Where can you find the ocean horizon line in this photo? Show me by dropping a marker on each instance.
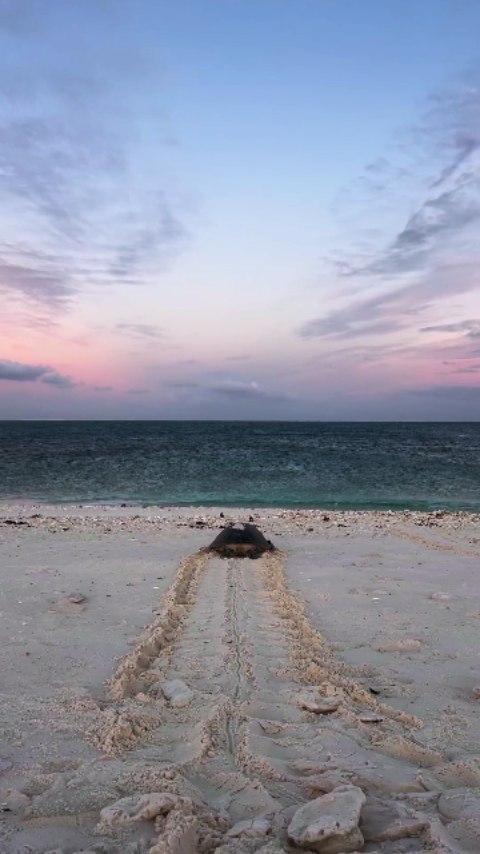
(234, 421)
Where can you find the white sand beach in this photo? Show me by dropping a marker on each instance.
(155, 698)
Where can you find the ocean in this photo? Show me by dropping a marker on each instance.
(257, 464)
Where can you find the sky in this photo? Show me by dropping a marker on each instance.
(240, 209)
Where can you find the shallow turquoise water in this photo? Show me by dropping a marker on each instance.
(351, 465)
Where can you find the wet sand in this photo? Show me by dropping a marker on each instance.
(210, 692)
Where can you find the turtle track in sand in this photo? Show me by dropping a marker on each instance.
(245, 744)
(404, 533)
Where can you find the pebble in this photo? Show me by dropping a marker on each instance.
(404, 645)
(370, 718)
(311, 702)
(76, 598)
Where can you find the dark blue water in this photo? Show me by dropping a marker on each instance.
(348, 465)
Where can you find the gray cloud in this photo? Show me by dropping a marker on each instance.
(138, 391)
(470, 327)
(452, 126)
(232, 389)
(452, 393)
(446, 141)
(240, 390)
(468, 369)
(58, 380)
(185, 384)
(391, 311)
(21, 372)
(51, 163)
(439, 218)
(68, 166)
(440, 228)
(167, 231)
(37, 281)
(464, 147)
(140, 330)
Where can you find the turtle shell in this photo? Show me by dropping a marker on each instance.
(240, 541)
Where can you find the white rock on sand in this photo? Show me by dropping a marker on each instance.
(402, 645)
(440, 597)
(330, 824)
(177, 693)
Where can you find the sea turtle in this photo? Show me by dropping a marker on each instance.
(240, 541)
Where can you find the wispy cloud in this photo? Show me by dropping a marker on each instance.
(69, 161)
(241, 390)
(394, 310)
(182, 384)
(22, 372)
(434, 255)
(58, 380)
(453, 393)
(464, 147)
(471, 328)
(468, 369)
(140, 330)
(452, 126)
(49, 163)
(439, 218)
(163, 232)
(228, 388)
(37, 280)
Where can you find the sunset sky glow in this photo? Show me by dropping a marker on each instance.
(240, 209)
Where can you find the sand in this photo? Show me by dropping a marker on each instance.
(155, 698)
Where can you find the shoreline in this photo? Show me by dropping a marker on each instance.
(308, 520)
(332, 507)
(25, 505)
